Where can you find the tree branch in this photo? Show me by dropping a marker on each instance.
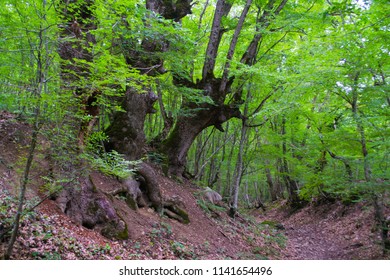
(261, 105)
(263, 21)
(222, 9)
(233, 45)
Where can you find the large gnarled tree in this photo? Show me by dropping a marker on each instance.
(126, 132)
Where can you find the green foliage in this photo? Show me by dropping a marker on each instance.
(182, 251)
(8, 208)
(156, 157)
(161, 230)
(46, 256)
(110, 163)
(313, 53)
(307, 62)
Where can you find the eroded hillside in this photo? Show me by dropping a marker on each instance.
(50, 231)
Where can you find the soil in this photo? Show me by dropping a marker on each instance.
(318, 231)
(329, 231)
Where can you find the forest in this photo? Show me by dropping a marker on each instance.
(149, 119)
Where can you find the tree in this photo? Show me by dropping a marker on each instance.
(298, 88)
(210, 109)
(35, 33)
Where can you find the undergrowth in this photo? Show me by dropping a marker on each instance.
(110, 163)
(266, 240)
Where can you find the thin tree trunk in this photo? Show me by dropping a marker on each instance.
(291, 184)
(239, 164)
(270, 183)
(348, 168)
(24, 182)
(378, 204)
(222, 8)
(228, 186)
(238, 171)
(232, 46)
(360, 128)
(40, 86)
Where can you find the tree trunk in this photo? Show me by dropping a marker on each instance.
(185, 130)
(126, 132)
(24, 182)
(291, 185)
(270, 183)
(377, 202)
(42, 65)
(238, 172)
(180, 138)
(239, 165)
(361, 131)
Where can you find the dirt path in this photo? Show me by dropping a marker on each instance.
(310, 242)
(327, 232)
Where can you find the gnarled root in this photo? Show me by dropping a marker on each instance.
(171, 207)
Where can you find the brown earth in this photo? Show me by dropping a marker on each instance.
(328, 231)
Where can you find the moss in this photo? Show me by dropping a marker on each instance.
(269, 223)
(184, 217)
(131, 202)
(111, 231)
(93, 208)
(124, 234)
(94, 188)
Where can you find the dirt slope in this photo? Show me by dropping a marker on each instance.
(47, 233)
(329, 231)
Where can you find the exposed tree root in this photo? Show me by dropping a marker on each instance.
(168, 206)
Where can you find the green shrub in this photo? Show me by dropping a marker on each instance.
(109, 163)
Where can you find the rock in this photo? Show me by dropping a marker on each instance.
(212, 196)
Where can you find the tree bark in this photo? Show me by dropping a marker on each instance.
(238, 172)
(291, 185)
(185, 130)
(270, 183)
(239, 164)
(377, 202)
(126, 132)
(222, 9)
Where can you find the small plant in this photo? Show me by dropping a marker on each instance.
(156, 157)
(46, 256)
(113, 163)
(206, 246)
(110, 163)
(182, 251)
(162, 230)
(256, 254)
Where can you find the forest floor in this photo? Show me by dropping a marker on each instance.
(318, 231)
(328, 231)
